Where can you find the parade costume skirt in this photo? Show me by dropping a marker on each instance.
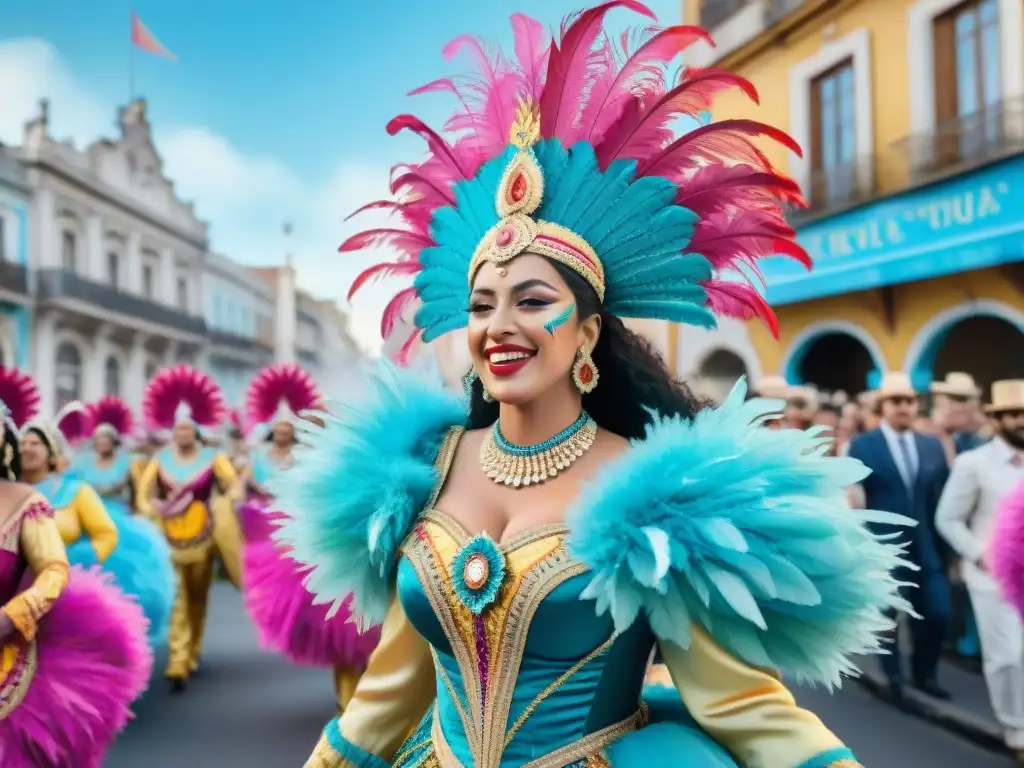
(257, 519)
(670, 735)
(141, 566)
(287, 620)
(67, 694)
(1006, 548)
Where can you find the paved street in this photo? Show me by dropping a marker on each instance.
(251, 709)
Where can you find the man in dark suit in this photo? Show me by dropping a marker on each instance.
(908, 472)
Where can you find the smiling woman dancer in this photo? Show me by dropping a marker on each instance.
(529, 555)
(73, 654)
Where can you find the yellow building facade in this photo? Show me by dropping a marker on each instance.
(911, 116)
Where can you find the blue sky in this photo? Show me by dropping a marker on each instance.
(268, 114)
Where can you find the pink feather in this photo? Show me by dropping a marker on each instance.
(1005, 556)
(741, 301)
(20, 394)
(379, 271)
(571, 68)
(395, 310)
(399, 239)
(287, 382)
(605, 105)
(531, 50)
(182, 384)
(439, 147)
(745, 236)
(713, 188)
(113, 411)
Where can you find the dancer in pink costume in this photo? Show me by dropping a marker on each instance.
(278, 602)
(73, 650)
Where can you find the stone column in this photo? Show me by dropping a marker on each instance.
(287, 318)
(133, 253)
(95, 365)
(95, 258)
(167, 279)
(45, 243)
(135, 376)
(45, 359)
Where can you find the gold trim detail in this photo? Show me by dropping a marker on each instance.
(13, 692)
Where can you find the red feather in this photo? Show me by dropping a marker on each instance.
(395, 309)
(382, 270)
(741, 301)
(418, 184)
(718, 187)
(569, 68)
(377, 205)
(438, 146)
(401, 239)
(716, 143)
(745, 235)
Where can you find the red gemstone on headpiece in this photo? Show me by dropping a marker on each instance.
(518, 190)
(586, 374)
(505, 236)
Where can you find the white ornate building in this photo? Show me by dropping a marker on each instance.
(117, 259)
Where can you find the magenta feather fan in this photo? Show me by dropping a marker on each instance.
(19, 395)
(617, 95)
(114, 412)
(285, 384)
(74, 423)
(179, 385)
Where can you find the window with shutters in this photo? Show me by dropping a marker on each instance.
(833, 136)
(967, 99)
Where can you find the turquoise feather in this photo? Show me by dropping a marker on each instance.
(745, 531)
(358, 484)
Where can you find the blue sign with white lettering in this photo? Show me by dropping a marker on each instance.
(970, 222)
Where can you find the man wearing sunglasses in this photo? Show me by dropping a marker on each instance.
(979, 481)
(908, 471)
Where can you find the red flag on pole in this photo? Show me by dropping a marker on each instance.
(145, 40)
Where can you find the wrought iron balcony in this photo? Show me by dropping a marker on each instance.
(13, 277)
(714, 12)
(992, 133)
(839, 187)
(57, 285)
(238, 341)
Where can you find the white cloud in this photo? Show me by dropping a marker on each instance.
(245, 198)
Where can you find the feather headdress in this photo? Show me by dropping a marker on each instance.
(569, 149)
(19, 396)
(113, 415)
(279, 392)
(182, 393)
(68, 427)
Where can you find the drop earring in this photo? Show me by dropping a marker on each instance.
(584, 372)
(467, 385)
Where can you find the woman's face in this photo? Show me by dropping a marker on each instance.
(103, 443)
(35, 456)
(524, 329)
(283, 434)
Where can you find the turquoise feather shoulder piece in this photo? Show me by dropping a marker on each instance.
(359, 482)
(746, 531)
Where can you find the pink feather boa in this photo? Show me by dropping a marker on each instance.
(1006, 548)
(93, 661)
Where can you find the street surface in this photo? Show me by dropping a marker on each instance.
(251, 709)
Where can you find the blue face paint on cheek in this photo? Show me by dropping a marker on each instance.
(562, 319)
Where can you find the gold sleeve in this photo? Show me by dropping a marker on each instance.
(227, 478)
(145, 491)
(391, 699)
(44, 552)
(748, 710)
(96, 522)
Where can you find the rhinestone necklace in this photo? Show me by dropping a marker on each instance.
(522, 465)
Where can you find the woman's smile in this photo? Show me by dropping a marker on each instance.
(507, 359)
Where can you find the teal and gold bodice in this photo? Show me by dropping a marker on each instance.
(111, 481)
(537, 668)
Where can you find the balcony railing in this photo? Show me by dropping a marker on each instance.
(778, 9)
(13, 277)
(58, 284)
(840, 186)
(223, 338)
(714, 12)
(990, 134)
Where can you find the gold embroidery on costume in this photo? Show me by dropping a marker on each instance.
(17, 669)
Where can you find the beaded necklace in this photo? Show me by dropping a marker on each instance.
(522, 465)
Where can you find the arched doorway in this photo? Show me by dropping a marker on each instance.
(69, 374)
(835, 361)
(718, 373)
(985, 346)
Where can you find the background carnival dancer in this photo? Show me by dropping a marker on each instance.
(280, 605)
(73, 646)
(191, 490)
(528, 550)
(142, 560)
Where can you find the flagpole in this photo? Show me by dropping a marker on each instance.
(131, 53)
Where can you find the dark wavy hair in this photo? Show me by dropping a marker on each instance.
(634, 379)
(10, 457)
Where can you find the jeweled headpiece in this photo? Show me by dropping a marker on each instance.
(180, 394)
(570, 150)
(279, 393)
(111, 415)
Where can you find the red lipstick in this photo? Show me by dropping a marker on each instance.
(509, 367)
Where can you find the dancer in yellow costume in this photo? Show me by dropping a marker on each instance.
(191, 490)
